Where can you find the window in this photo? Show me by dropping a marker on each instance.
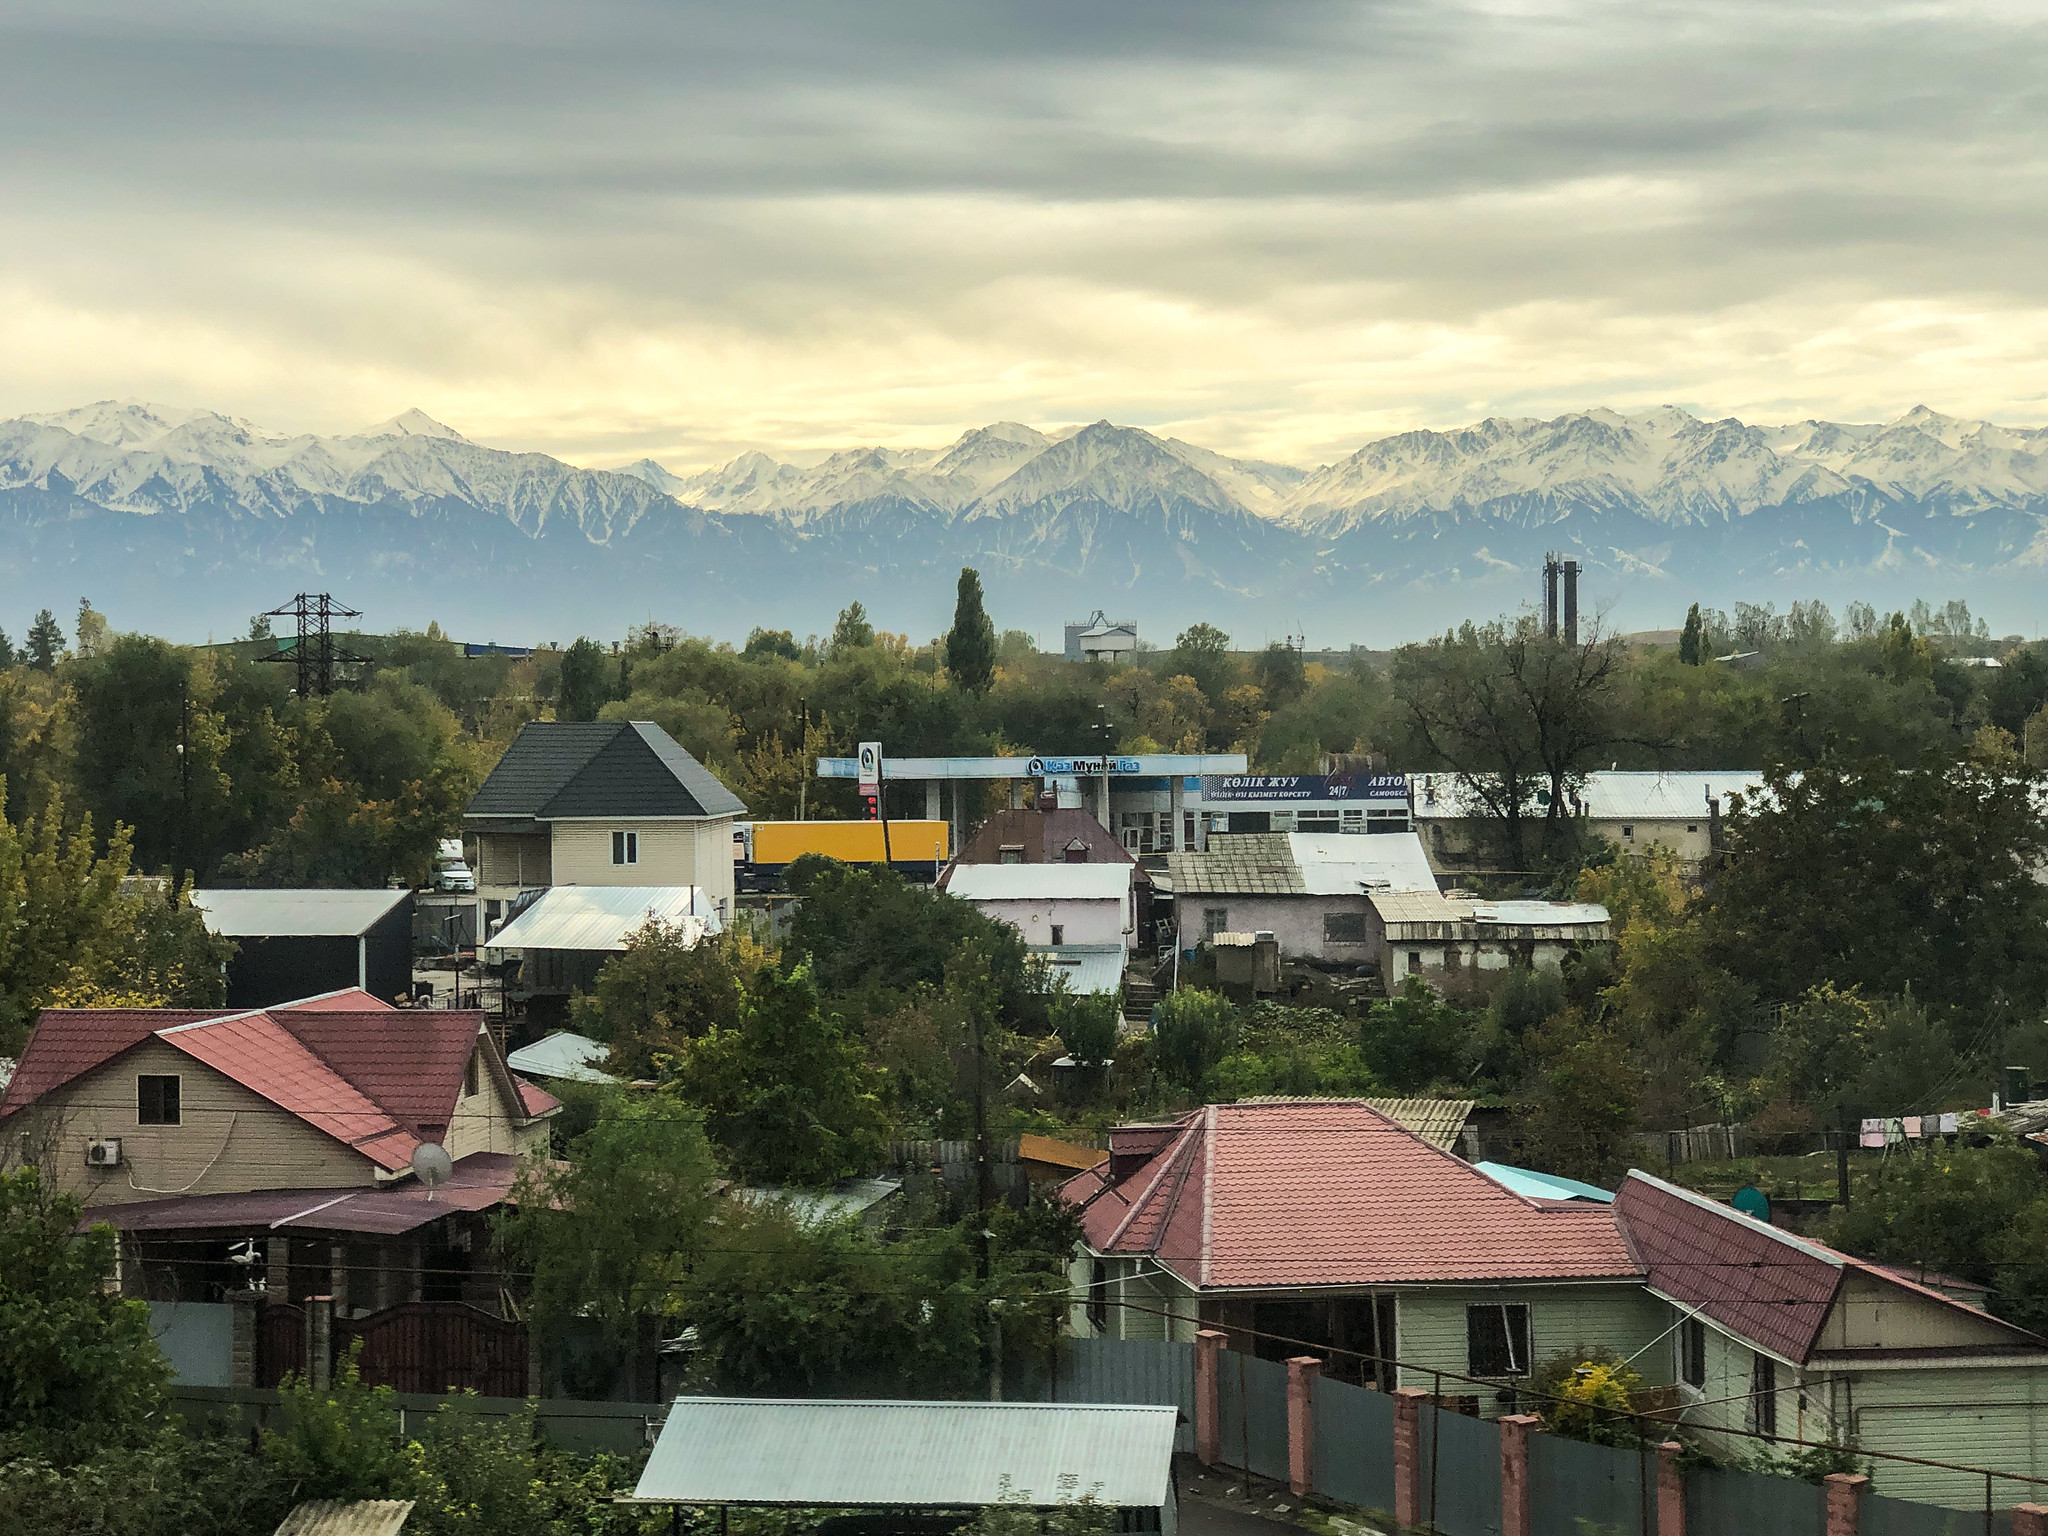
(1763, 1396)
(1011, 853)
(1098, 1296)
(1059, 933)
(1628, 832)
(1497, 1339)
(469, 1078)
(1692, 1352)
(156, 1101)
(1215, 920)
(1692, 826)
(625, 847)
(1414, 959)
(1343, 927)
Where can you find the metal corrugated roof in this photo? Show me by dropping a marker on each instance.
(1344, 864)
(848, 1197)
(1436, 1121)
(1419, 907)
(294, 914)
(725, 1450)
(564, 1054)
(1087, 967)
(1543, 1186)
(331, 1517)
(1540, 914)
(1039, 882)
(1609, 795)
(601, 917)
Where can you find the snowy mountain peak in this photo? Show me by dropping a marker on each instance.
(412, 423)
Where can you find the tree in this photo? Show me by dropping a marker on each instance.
(1689, 639)
(610, 1234)
(1412, 1039)
(1282, 677)
(1891, 879)
(586, 683)
(971, 642)
(78, 1366)
(259, 627)
(1202, 652)
(45, 642)
(853, 631)
(8, 656)
(1085, 1022)
(1585, 1107)
(1194, 1030)
(786, 1093)
(662, 990)
(1836, 1056)
(92, 630)
(762, 643)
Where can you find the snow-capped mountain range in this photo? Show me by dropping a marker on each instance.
(191, 518)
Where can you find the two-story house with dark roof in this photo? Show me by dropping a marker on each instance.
(602, 802)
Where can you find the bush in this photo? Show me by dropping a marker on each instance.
(1590, 1398)
(1085, 1022)
(1195, 1030)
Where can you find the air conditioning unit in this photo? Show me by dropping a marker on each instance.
(103, 1154)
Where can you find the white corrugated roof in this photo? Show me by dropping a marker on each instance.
(294, 914)
(827, 1454)
(1343, 864)
(1087, 967)
(601, 917)
(564, 1054)
(1539, 913)
(1040, 882)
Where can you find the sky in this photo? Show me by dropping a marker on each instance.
(613, 230)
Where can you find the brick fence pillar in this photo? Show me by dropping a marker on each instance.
(1514, 1472)
(1671, 1491)
(1302, 1372)
(1208, 1404)
(1408, 1455)
(320, 1342)
(242, 1337)
(2030, 1520)
(1845, 1502)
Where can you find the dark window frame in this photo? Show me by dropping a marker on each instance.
(1344, 928)
(1098, 1296)
(1763, 1396)
(159, 1098)
(625, 848)
(1692, 1353)
(1497, 1335)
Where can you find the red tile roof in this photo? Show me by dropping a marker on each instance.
(538, 1100)
(1315, 1192)
(1768, 1285)
(258, 1052)
(377, 1079)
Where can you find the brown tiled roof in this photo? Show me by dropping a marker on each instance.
(1767, 1285)
(1042, 837)
(480, 1181)
(1315, 1192)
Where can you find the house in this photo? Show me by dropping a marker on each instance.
(563, 1056)
(287, 1135)
(912, 1462)
(1098, 638)
(1454, 938)
(1634, 811)
(1776, 1334)
(604, 803)
(1325, 1221)
(1053, 905)
(292, 942)
(1060, 836)
(565, 934)
(1310, 890)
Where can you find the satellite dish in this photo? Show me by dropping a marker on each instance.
(432, 1165)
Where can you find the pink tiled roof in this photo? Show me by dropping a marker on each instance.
(258, 1052)
(480, 1181)
(1328, 1192)
(538, 1100)
(411, 1061)
(1768, 1285)
(347, 1000)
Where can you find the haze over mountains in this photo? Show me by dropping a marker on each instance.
(185, 521)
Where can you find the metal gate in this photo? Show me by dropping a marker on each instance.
(280, 1342)
(438, 1346)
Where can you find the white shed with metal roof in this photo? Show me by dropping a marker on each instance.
(825, 1454)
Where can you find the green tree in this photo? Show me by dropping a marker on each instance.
(93, 634)
(1202, 652)
(1836, 1056)
(78, 1366)
(1586, 1104)
(1413, 1039)
(1085, 1022)
(45, 642)
(787, 1094)
(1282, 676)
(763, 643)
(1689, 639)
(8, 655)
(662, 990)
(1869, 875)
(853, 632)
(586, 681)
(971, 642)
(1193, 1031)
(611, 1232)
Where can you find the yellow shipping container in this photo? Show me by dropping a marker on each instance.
(851, 842)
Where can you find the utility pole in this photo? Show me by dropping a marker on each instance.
(803, 747)
(984, 1190)
(184, 783)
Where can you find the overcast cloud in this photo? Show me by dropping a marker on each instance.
(608, 229)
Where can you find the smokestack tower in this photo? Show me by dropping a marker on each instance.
(1550, 572)
(1571, 604)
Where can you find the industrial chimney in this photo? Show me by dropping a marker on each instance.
(1571, 603)
(1550, 571)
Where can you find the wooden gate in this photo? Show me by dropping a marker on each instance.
(438, 1346)
(280, 1342)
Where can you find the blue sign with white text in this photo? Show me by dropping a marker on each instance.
(1227, 787)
